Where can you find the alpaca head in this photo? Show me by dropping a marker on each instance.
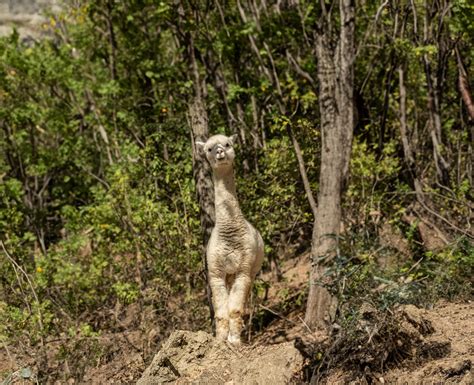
(219, 151)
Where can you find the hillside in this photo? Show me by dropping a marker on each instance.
(407, 345)
(432, 346)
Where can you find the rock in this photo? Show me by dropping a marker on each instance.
(25, 15)
(417, 318)
(196, 357)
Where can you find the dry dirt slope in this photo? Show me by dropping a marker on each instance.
(427, 347)
(196, 357)
(436, 347)
(439, 349)
(453, 328)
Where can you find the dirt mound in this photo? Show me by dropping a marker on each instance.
(197, 357)
(406, 346)
(453, 327)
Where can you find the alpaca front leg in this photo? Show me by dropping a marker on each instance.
(237, 299)
(220, 299)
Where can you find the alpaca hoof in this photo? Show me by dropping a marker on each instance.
(222, 336)
(234, 340)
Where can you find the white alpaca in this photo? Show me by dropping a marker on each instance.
(235, 248)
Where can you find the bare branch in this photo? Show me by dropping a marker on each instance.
(30, 284)
(298, 69)
(379, 11)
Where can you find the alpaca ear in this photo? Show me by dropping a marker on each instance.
(233, 138)
(199, 146)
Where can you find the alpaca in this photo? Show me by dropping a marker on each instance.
(235, 248)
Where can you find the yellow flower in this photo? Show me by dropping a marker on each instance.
(39, 269)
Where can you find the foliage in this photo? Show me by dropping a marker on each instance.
(363, 278)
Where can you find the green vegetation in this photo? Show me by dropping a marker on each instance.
(97, 200)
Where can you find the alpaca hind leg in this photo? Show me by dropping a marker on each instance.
(220, 299)
(237, 299)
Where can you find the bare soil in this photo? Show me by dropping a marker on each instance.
(453, 328)
(197, 357)
(424, 347)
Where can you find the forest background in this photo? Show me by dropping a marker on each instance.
(98, 206)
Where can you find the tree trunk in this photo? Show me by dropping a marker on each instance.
(464, 87)
(202, 172)
(302, 168)
(432, 83)
(407, 151)
(335, 74)
(203, 178)
(404, 134)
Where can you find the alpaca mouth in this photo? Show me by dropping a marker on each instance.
(222, 164)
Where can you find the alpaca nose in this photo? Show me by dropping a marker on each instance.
(220, 153)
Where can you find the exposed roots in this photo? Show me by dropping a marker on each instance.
(377, 341)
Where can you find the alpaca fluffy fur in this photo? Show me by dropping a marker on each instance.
(235, 248)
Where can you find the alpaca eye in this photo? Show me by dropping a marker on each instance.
(209, 150)
(227, 145)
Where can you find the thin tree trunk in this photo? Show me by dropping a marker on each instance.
(407, 151)
(335, 74)
(254, 131)
(386, 108)
(203, 180)
(202, 172)
(201, 168)
(303, 174)
(272, 76)
(464, 87)
(441, 164)
(345, 61)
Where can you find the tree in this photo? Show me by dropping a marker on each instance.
(199, 124)
(335, 54)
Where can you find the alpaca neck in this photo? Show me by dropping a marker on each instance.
(226, 202)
